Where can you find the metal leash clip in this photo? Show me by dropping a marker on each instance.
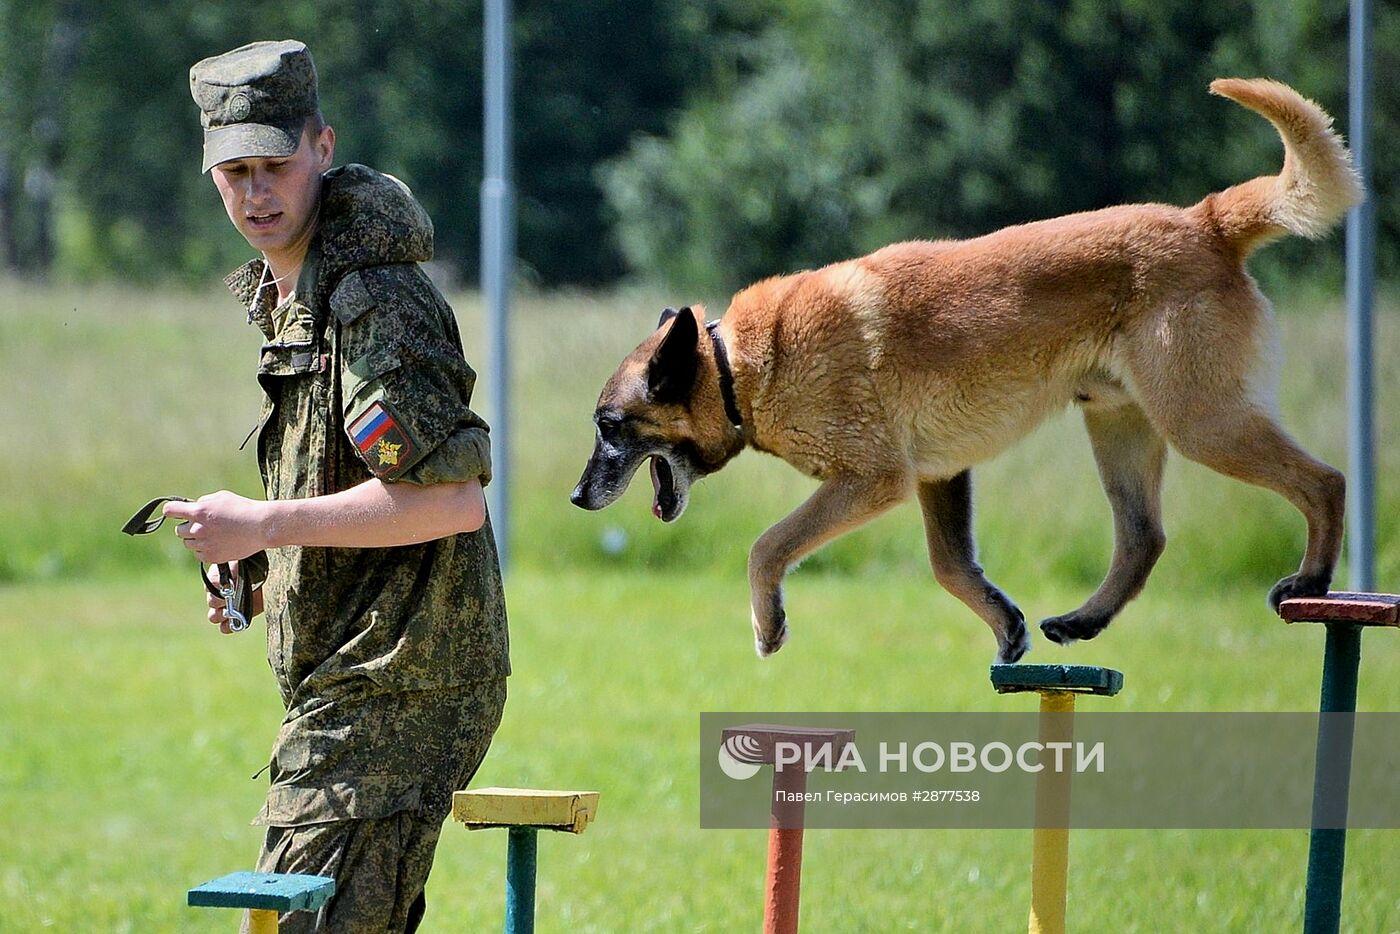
(236, 592)
(228, 589)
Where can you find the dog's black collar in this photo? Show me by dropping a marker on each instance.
(726, 377)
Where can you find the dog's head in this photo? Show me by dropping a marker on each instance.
(662, 403)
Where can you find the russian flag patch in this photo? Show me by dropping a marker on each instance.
(381, 441)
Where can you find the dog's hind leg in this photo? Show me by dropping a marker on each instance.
(947, 508)
(1130, 455)
(1247, 445)
(1204, 397)
(838, 505)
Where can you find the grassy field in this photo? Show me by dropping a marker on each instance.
(117, 395)
(130, 729)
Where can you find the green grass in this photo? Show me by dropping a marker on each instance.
(130, 729)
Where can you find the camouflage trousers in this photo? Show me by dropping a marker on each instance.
(381, 864)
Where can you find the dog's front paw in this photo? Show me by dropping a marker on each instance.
(1298, 585)
(765, 648)
(768, 638)
(1015, 641)
(1072, 627)
(1014, 649)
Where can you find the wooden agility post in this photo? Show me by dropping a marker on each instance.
(1344, 614)
(524, 812)
(1056, 685)
(783, 880)
(264, 894)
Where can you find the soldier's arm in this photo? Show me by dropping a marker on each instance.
(406, 388)
(406, 394)
(406, 403)
(376, 514)
(224, 526)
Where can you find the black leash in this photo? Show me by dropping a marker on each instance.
(237, 593)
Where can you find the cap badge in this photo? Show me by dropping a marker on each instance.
(239, 107)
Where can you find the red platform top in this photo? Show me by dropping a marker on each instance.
(1365, 609)
(757, 742)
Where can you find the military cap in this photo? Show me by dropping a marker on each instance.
(254, 100)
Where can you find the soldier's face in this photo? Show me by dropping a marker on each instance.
(272, 201)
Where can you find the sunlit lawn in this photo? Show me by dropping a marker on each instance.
(131, 731)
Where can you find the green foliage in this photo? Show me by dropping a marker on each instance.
(708, 144)
(835, 126)
(401, 84)
(589, 75)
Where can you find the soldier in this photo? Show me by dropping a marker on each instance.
(386, 624)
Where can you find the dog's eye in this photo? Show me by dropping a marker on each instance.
(609, 424)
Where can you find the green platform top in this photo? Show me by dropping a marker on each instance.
(1076, 679)
(269, 890)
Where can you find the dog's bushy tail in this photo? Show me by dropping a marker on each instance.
(1316, 186)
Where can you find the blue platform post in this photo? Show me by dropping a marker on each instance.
(520, 880)
(1332, 778)
(1344, 615)
(524, 811)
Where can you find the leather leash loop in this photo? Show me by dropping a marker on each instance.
(236, 592)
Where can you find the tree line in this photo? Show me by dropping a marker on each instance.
(704, 143)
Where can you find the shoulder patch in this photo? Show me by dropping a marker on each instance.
(383, 443)
(350, 298)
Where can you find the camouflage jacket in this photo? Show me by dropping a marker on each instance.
(364, 376)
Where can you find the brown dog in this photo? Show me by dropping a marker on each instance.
(897, 372)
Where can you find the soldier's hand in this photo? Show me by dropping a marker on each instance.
(216, 604)
(221, 526)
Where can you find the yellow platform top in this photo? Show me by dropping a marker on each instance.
(525, 807)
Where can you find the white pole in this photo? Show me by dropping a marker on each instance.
(1361, 275)
(497, 258)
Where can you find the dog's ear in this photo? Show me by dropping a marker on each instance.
(676, 363)
(667, 315)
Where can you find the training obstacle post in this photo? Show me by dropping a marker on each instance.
(524, 811)
(783, 882)
(264, 894)
(1344, 614)
(1056, 685)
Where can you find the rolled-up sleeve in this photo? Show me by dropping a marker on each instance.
(405, 386)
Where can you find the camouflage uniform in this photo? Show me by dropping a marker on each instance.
(391, 661)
